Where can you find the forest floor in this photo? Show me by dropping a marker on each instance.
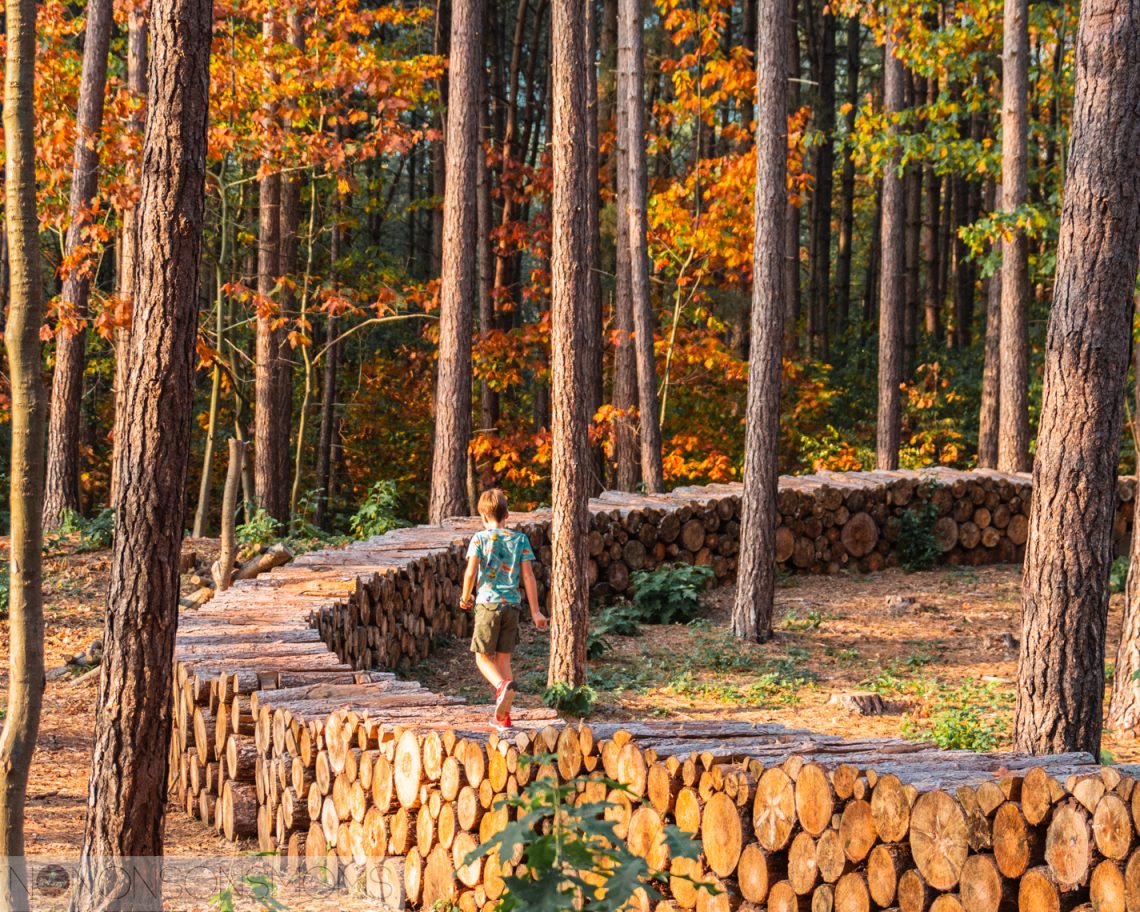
(936, 645)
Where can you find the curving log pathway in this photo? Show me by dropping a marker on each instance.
(289, 728)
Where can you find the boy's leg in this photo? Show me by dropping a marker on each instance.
(503, 665)
(488, 666)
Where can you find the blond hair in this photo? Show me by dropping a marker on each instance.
(493, 503)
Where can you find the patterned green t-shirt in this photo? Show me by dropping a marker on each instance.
(501, 554)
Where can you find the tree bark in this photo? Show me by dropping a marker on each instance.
(819, 282)
(132, 721)
(626, 445)
(631, 73)
(1013, 438)
(756, 583)
(1124, 704)
(847, 180)
(61, 491)
(991, 369)
(595, 369)
(328, 381)
(792, 211)
(912, 189)
(25, 558)
(1065, 592)
(570, 361)
(891, 281)
(457, 280)
(270, 452)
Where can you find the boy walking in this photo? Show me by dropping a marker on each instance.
(498, 559)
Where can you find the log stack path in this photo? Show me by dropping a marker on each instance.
(291, 728)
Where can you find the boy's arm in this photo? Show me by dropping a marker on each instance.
(469, 578)
(531, 586)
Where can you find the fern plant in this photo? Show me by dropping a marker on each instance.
(572, 859)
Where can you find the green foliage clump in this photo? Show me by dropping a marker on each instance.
(5, 590)
(98, 532)
(972, 716)
(572, 859)
(917, 548)
(670, 595)
(95, 533)
(1118, 575)
(259, 527)
(576, 701)
(379, 513)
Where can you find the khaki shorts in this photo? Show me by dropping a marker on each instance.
(496, 628)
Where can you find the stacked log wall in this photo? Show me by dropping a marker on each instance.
(350, 774)
(826, 523)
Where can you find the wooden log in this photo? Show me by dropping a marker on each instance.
(983, 888)
(914, 894)
(1107, 891)
(239, 810)
(757, 871)
(857, 832)
(1068, 844)
(722, 834)
(829, 856)
(890, 809)
(815, 798)
(773, 810)
(938, 840)
(1112, 827)
(803, 869)
(885, 865)
(1016, 845)
(851, 893)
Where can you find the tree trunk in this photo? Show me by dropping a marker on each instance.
(847, 180)
(963, 286)
(792, 211)
(457, 281)
(1065, 592)
(819, 290)
(328, 381)
(1124, 704)
(132, 722)
(991, 391)
(440, 45)
(626, 446)
(931, 234)
(270, 452)
(595, 369)
(61, 492)
(25, 558)
(570, 357)
(1013, 438)
(488, 399)
(756, 584)
(891, 281)
(631, 73)
(912, 188)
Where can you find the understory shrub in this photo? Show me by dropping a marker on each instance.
(917, 548)
(670, 595)
(577, 701)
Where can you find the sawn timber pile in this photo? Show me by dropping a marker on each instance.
(376, 783)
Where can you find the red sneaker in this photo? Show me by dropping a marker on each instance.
(504, 697)
(503, 725)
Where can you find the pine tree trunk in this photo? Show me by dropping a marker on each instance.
(626, 445)
(912, 188)
(25, 557)
(963, 287)
(1124, 704)
(270, 452)
(488, 399)
(847, 180)
(132, 722)
(892, 289)
(631, 73)
(1013, 439)
(440, 45)
(1065, 592)
(756, 584)
(61, 492)
(991, 391)
(819, 283)
(595, 369)
(792, 211)
(570, 359)
(457, 281)
(931, 234)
